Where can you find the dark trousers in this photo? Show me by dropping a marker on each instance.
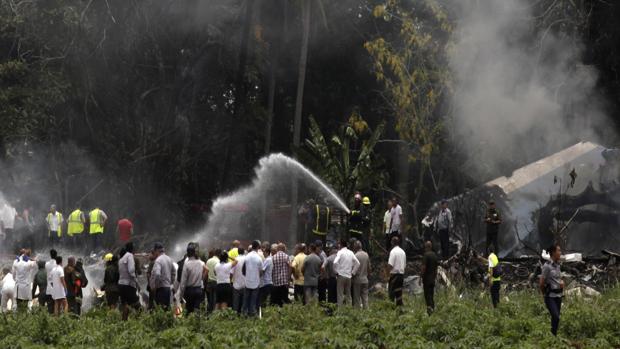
(395, 288)
(95, 241)
(194, 296)
(74, 306)
(50, 303)
(299, 294)
(492, 240)
(263, 294)
(322, 290)
(429, 298)
(211, 285)
(554, 305)
(495, 293)
(444, 240)
(279, 295)
(238, 300)
(250, 301)
(332, 290)
(162, 297)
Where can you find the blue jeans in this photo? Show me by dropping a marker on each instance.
(238, 299)
(554, 305)
(250, 301)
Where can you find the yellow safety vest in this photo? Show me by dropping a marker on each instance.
(233, 254)
(494, 263)
(74, 223)
(49, 219)
(96, 222)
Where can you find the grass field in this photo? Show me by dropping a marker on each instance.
(459, 322)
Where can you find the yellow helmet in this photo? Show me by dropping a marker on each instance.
(108, 257)
(366, 200)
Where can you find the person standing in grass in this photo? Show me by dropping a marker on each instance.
(298, 275)
(252, 271)
(128, 281)
(429, 275)
(59, 288)
(552, 286)
(281, 276)
(223, 291)
(192, 280)
(495, 276)
(311, 270)
(238, 281)
(396, 263)
(266, 281)
(331, 275)
(360, 279)
(345, 265)
(212, 262)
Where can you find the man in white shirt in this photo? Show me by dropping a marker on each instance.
(238, 281)
(252, 270)
(345, 265)
(49, 267)
(24, 271)
(8, 291)
(397, 262)
(396, 219)
(387, 225)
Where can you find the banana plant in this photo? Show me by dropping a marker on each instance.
(347, 160)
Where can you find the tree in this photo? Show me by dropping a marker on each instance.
(347, 161)
(413, 69)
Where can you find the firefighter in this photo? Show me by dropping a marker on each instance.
(355, 218)
(75, 226)
(320, 219)
(366, 215)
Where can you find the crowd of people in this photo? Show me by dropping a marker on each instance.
(246, 278)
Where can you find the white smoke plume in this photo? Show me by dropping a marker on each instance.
(522, 91)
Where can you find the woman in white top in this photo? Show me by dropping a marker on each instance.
(223, 290)
(59, 288)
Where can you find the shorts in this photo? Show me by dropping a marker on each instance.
(128, 295)
(223, 293)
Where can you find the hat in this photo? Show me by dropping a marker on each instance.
(366, 200)
(108, 257)
(158, 246)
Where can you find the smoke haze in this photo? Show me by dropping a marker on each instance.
(521, 92)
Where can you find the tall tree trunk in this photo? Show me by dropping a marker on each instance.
(234, 134)
(301, 80)
(303, 59)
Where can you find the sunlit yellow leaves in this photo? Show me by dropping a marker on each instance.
(413, 70)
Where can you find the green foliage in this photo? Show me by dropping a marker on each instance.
(347, 161)
(414, 71)
(521, 321)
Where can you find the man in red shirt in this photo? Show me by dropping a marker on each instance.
(124, 229)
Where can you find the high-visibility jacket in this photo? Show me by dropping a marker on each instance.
(49, 219)
(75, 223)
(96, 221)
(494, 262)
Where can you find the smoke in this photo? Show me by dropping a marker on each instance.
(522, 91)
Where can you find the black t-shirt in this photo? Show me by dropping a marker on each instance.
(430, 261)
